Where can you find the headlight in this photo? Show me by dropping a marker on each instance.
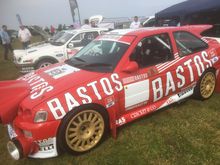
(40, 116)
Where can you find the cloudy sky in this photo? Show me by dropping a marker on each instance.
(54, 12)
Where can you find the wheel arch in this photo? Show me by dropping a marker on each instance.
(45, 58)
(94, 106)
(196, 92)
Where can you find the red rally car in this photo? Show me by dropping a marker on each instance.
(119, 77)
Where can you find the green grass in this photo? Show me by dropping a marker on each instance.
(186, 133)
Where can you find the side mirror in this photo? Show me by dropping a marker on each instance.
(131, 67)
(70, 45)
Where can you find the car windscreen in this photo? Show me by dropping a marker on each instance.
(61, 38)
(99, 56)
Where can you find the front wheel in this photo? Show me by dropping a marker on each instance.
(206, 85)
(44, 63)
(82, 129)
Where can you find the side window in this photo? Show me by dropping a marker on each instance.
(83, 39)
(187, 43)
(153, 50)
(150, 23)
(88, 37)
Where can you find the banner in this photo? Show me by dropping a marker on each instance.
(73, 6)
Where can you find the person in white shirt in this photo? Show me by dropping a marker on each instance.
(86, 25)
(135, 24)
(24, 36)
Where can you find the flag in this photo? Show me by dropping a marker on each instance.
(73, 6)
(19, 19)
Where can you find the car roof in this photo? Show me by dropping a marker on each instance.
(127, 36)
(153, 30)
(86, 30)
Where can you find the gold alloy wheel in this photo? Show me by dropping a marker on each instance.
(84, 130)
(207, 85)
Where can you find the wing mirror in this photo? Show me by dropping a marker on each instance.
(131, 67)
(70, 45)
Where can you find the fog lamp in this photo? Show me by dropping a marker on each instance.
(14, 149)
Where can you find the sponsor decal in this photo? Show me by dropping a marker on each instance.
(11, 132)
(120, 121)
(61, 71)
(38, 85)
(185, 91)
(81, 96)
(46, 144)
(201, 63)
(138, 113)
(143, 112)
(109, 101)
(131, 79)
(214, 59)
(47, 148)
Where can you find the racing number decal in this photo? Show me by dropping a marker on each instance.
(136, 93)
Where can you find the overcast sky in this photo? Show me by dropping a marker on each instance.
(54, 12)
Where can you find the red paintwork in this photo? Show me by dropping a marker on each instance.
(12, 93)
(59, 95)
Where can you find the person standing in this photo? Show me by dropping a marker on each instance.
(52, 30)
(135, 24)
(24, 36)
(6, 41)
(86, 24)
(93, 24)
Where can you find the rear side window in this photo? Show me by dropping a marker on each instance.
(187, 43)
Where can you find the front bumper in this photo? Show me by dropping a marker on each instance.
(41, 142)
(25, 68)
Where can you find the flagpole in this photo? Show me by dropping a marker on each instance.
(78, 13)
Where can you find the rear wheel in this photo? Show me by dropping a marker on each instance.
(82, 130)
(206, 85)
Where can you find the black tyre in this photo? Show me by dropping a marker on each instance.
(82, 129)
(206, 85)
(44, 63)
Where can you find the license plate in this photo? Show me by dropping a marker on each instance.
(11, 132)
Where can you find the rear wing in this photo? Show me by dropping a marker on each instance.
(198, 29)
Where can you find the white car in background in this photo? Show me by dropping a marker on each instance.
(61, 46)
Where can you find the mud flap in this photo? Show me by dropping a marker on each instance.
(112, 120)
(217, 89)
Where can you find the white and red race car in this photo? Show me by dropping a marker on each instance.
(117, 78)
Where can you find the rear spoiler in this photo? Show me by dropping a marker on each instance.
(198, 29)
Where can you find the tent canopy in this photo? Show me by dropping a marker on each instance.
(190, 7)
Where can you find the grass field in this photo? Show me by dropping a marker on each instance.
(186, 133)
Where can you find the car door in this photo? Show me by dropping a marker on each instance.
(148, 85)
(195, 54)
